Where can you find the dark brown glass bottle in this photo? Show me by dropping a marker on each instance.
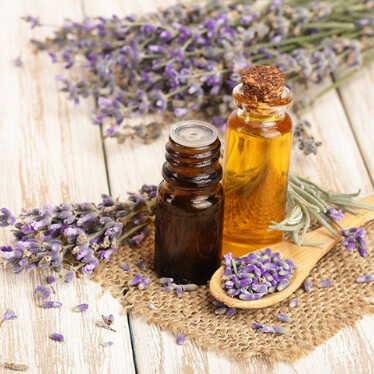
(189, 207)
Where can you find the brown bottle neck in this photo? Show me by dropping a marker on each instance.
(192, 168)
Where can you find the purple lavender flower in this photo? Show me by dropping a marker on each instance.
(8, 316)
(355, 238)
(80, 308)
(180, 339)
(335, 214)
(34, 21)
(69, 276)
(107, 344)
(283, 317)
(293, 303)
(136, 280)
(365, 278)
(51, 304)
(125, 267)
(141, 265)
(325, 283)
(6, 217)
(308, 285)
(51, 279)
(57, 337)
(42, 291)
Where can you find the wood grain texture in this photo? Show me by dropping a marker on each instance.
(338, 166)
(50, 152)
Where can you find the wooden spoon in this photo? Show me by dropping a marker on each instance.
(303, 257)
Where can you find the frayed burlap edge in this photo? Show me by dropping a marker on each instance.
(320, 314)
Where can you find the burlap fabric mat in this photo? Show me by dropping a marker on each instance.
(321, 313)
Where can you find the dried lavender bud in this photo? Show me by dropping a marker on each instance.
(256, 275)
(230, 311)
(180, 339)
(190, 287)
(283, 317)
(57, 337)
(355, 238)
(8, 316)
(179, 291)
(335, 214)
(266, 329)
(15, 367)
(151, 306)
(308, 285)
(125, 267)
(293, 303)
(136, 280)
(166, 280)
(365, 278)
(144, 283)
(80, 308)
(69, 276)
(51, 279)
(257, 326)
(104, 326)
(42, 291)
(107, 344)
(221, 310)
(279, 330)
(141, 265)
(108, 320)
(325, 283)
(51, 304)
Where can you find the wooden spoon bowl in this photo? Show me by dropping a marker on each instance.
(305, 258)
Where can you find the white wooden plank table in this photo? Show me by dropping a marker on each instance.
(50, 152)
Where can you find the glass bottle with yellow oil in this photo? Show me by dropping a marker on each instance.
(257, 154)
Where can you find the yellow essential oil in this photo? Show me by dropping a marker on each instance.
(257, 154)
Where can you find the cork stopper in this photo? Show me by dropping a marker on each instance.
(262, 83)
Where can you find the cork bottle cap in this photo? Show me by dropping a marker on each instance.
(262, 83)
(193, 133)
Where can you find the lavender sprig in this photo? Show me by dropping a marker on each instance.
(185, 58)
(310, 203)
(79, 235)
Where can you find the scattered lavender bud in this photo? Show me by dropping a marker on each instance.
(107, 344)
(141, 265)
(144, 283)
(217, 303)
(125, 267)
(293, 303)
(221, 310)
(69, 276)
(166, 280)
(180, 339)
(335, 214)
(80, 308)
(167, 288)
(108, 320)
(179, 291)
(279, 330)
(283, 317)
(8, 316)
(51, 304)
(365, 278)
(15, 367)
(355, 239)
(51, 279)
(42, 291)
(151, 306)
(18, 62)
(136, 280)
(190, 287)
(266, 329)
(230, 311)
(325, 283)
(308, 285)
(104, 326)
(57, 337)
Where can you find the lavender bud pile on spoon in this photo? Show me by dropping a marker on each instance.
(256, 274)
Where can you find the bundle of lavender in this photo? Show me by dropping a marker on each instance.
(79, 236)
(185, 58)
